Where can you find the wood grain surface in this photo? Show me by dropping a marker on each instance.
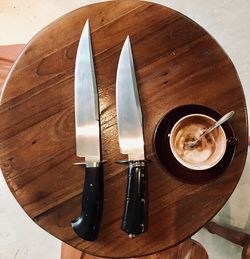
(189, 249)
(177, 63)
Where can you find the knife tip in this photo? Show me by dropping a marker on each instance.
(127, 39)
(87, 23)
(85, 31)
(127, 43)
(86, 27)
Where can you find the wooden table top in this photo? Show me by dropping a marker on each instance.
(177, 63)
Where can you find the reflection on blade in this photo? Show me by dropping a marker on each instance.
(86, 101)
(129, 115)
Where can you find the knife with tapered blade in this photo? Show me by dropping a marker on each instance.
(131, 141)
(87, 125)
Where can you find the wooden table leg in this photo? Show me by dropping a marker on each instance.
(233, 235)
(68, 252)
(189, 249)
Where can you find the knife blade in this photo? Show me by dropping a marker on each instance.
(131, 142)
(87, 126)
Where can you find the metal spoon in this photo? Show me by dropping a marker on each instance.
(192, 144)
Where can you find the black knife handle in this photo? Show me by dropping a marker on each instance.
(135, 210)
(87, 224)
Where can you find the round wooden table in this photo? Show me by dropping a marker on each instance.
(177, 63)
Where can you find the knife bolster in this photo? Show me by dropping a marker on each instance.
(91, 164)
(145, 161)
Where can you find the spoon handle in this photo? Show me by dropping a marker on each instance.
(218, 123)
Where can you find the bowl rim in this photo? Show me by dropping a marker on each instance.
(183, 162)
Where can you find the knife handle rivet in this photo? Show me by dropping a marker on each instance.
(142, 226)
(91, 185)
(142, 200)
(142, 175)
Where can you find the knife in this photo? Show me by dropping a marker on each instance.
(131, 142)
(87, 125)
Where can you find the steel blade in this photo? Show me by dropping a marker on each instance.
(86, 101)
(129, 115)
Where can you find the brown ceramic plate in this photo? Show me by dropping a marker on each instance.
(168, 161)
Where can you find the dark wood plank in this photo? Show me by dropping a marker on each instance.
(177, 62)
